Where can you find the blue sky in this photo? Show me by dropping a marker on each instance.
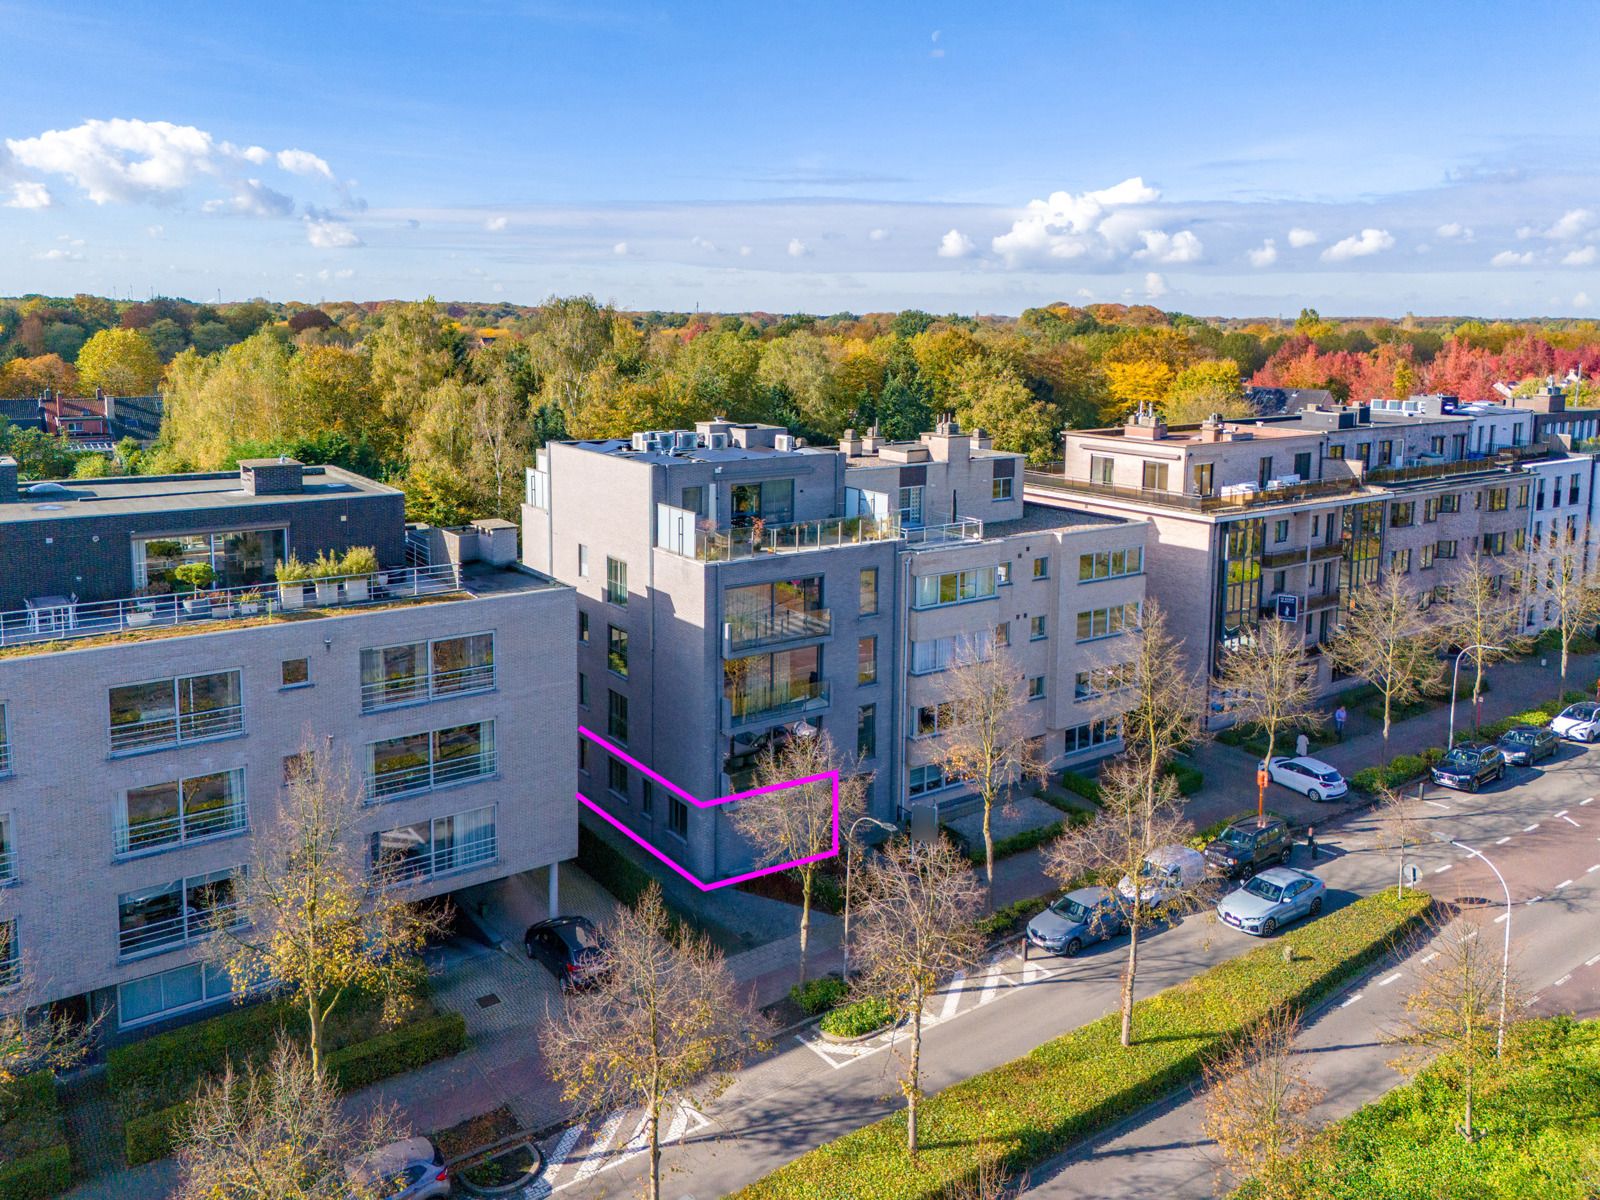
(1222, 159)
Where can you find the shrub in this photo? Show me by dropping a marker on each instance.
(1030, 1109)
(858, 1019)
(818, 995)
(46, 1172)
(359, 560)
(34, 1158)
(196, 575)
(1003, 920)
(1190, 779)
(1015, 843)
(1081, 785)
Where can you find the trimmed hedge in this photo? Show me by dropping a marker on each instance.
(1031, 1108)
(858, 1019)
(818, 995)
(152, 1135)
(34, 1158)
(1190, 779)
(1088, 788)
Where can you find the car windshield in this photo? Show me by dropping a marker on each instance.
(1236, 837)
(1579, 712)
(1328, 776)
(1519, 737)
(1460, 759)
(584, 937)
(1070, 909)
(1267, 891)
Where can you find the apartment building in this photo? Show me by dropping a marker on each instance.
(737, 588)
(147, 730)
(1287, 517)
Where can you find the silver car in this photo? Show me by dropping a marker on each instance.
(1273, 898)
(412, 1169)
(1079, 919)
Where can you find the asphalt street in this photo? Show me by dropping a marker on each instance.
(1539, 827)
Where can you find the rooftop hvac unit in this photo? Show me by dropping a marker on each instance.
(685, 439)
(783, 441)
(719, 441)
(641, 441)
(1287, 481)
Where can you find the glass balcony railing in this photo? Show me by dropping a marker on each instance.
(750, 540)
(445, 860)
(746, 631)
(750, 705)
(8, 864)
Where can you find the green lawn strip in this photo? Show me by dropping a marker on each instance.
(1531, 1126)
(34, 1159)
(1031, 1108)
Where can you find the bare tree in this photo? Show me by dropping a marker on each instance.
(991, 1181)
(1118, 842)
(915, 928)
(1483, 614)
(32, 1037)
(797, 823)
(1165, 703)
(1569, 584)
(281, 1133)
(314, 916)
(990, 745)
(1399, 827)
(1258, 1104)
(1452, 1018)
(664, 1025)
(1388, 640)
(1270, 684)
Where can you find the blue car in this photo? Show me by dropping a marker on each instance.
(1271, 899)
(1078, 919)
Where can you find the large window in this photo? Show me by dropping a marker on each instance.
(934, 719)
(237, 558)
(169, 992)
(768, 684)
(412, 672)
(1107, 622)
(867, 660)
(617, 716)
(1098, 681)
(180, 811)
(176, 913)
(617, 581)
(617, 650)
(1094, 734)
(1240, 583)
(954, 587)
(911, 507)
(925, 779)
(869, 591)
(677, 817)
(5, 742)
(772, 500)
(937, 654)
(1002, 489)
(761, 613)
(164, 712)
(436, 847)
(1110, 564)
(867, 731)
(421, 762)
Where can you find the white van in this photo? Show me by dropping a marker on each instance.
(1169, 872)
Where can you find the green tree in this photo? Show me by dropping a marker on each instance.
(903, 410)
(411, 354)
(988, 395)
(1210, 386)
(167, 337)
(121, 361)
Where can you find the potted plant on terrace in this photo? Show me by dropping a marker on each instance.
(250, 602)
(325, 572)
(359, 565)
(196, 576)
(292, 574)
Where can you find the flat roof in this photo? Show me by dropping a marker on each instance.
(135, 495)
(1039, 518)
(623, 448)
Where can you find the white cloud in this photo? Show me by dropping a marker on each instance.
(744, 251)
(59, 255)
(1510, 258)
(254, 199)
(303, 162)
(1163, 247)
(1155, 286)
(620, 249)
(1571, 224)
(1103, 225)
(797, 248)
(879, 235)
(1361, 245)
(1581, 300)
(702, 244)
(955, 244)
(28, 194)
(155, 231)
(1581, 257)
(1301, 238)
(1264, 255)
(496, 224)
(329, 235)
(343, 273)
(1454, 231)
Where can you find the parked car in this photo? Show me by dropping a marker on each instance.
(1578, 722)
(1273, 898)
(1527, 744)
(569, 946)
(1166, 873)
(1246, 846)
(1079, 919)
(1469, 766)
(1312, 776)
(412, 1169)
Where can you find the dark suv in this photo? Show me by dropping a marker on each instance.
(1245, 847)
(1469, 766)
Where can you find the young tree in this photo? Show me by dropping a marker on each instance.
(797, 823)
(1165, 705)
(1388, 640)
(990, 745)
(122, 361)
(1269, 682)
(1257, 1104)
(1116, 843)
(1453, 1018)
(279, 1133)
(317, 920)
(32, 1038)
(1483, 614)
(1399, 827)
(664, 1024)
(1569, 584)
(914, 928)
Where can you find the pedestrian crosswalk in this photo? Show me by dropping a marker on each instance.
(584, 1150)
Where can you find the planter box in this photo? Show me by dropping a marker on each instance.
(327, 591)
(356, 591)
(292, 595)
(197, 608)
(249, 610)
(140, 616)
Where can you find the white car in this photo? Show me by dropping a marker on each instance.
(1167, 873)
(1312, 776)
(1578, 722)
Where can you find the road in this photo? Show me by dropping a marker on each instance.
(1539, 826)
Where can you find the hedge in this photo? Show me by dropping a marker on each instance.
(34, 1158)
(858, 1019)
(1031, 1108)
(1190, 779)
(818, 995)
(1082, 785)
(153, 1135)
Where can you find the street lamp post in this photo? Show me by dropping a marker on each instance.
(1455, 677)
(1505, 954)
(849, 842)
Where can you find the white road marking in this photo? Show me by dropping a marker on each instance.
(1536, 900)
(1352, 1000)
(1436, 804)
(1443, 869)
(1471, 933)
(1502, 917)
(953, 997)
(1571, 822)
(1531, 828)
(1589, 962)
(1560, 981)
(1502, 841)
(601, 1148)
(991, 983)
(1563, 812)
(1593, 869)
(1431, 957)
(1562, 884)
(1386, 982)
(569, 1139)
(1590, 800)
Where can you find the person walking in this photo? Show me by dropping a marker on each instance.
(1339, 718)
(1311, 842)
(1302, 745)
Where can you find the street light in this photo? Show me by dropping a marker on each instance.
(850, 841)
(1455, 676)
(1505, 957)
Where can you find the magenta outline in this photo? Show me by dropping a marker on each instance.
(831, 776)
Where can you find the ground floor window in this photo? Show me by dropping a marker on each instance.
(174, 991)
(925, 779)
(1095, 733)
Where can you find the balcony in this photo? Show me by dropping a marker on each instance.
(446, 860)
(751, 706)
(749, 541)
(417, 778)
(1284, 558)
(1329, 550)
(748, 631)
(426, 685)
(5, 751)
(8, 864)
(1321, 601)
(197, 726)
(1047, 481)
(143, 837)
(139, 938)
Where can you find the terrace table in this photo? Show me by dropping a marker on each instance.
(52, 614)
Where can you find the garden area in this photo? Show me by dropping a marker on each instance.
(34, 1158)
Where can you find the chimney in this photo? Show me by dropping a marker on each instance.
(280, 476)
(1145, 425)
(870, 443)
(8, 480)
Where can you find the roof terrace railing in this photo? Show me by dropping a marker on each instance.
(62, 617)
(747, 541)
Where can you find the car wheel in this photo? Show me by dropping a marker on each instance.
(1316, 906)
(1072, 947)
(1284, 857)
(1247, 870)
(1472, 785)
(1269, 927)
(1316, 796)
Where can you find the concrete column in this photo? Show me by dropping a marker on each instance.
(555, 889)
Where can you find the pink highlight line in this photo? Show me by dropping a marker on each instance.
(832, 777)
